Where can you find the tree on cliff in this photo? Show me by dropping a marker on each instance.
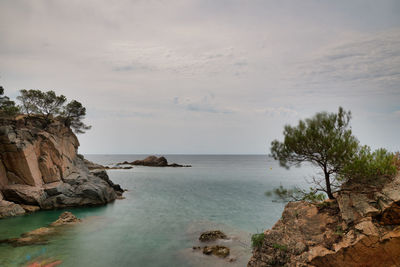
(325, 140)
(7, 107)
(51, 106)
(73, 114)
(47, 103)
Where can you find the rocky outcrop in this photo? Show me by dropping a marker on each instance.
(40, 167)
(91, 165)
(360, 228)
(153, 161)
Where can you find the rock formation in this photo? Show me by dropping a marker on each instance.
(215, 249)
(153, 161)
(212, 236)
(40, 167)
(41, 235)
(360, 228)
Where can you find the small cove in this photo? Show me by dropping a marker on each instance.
(163, 213)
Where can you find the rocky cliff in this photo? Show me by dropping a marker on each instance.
(40, 169)
(360, 228)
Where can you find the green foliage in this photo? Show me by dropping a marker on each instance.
(257, 240)
(339, 231)
(7, 107)
(29, 100)
(296, 194)
(324, 140)
(280, 247)
(313, 196)
(49, 105)
(73, 114)
(370, 167)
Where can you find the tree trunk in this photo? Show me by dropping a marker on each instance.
(328, 185)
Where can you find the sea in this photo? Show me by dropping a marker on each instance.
(163, 212)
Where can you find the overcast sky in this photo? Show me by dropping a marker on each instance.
(217, 76)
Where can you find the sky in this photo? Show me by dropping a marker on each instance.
(207, 76)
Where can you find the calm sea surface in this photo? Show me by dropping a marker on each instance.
(163, 213)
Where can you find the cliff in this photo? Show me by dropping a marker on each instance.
(40, 169)
(360, 228)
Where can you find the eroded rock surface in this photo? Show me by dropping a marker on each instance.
(40, 167)
(360, 228)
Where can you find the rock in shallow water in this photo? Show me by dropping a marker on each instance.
(219, 251)
(41, 235)
(212, 236)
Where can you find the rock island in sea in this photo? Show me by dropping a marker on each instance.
(41, 169)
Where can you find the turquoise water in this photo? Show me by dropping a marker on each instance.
(163, 213)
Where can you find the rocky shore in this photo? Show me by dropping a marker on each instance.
(40, 169)
(361, 227)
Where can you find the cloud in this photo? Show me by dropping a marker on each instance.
(281, 111)
(368, 60)
(205, 104)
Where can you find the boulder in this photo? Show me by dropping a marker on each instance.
(219, 251)
(65, 218)
(212, 236)
(8, 209)
(152, 161)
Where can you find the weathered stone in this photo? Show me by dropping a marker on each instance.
(40, 166)
(360, 233)
(219, 251)
(153, 161)
(24, 194)
(93, 166)
(66, 218)
(41, 235)
(30, 208)
(212, 236)
(8, 209)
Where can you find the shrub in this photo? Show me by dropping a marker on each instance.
(370, 167)
(280, 247)
(257, 240)
(296, 194)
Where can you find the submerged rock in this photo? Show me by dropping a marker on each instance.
(41, 235)
(219, 251)
(212, 236)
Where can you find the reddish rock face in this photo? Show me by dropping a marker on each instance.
(360, 228)
(40, 166)
(32, 156)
